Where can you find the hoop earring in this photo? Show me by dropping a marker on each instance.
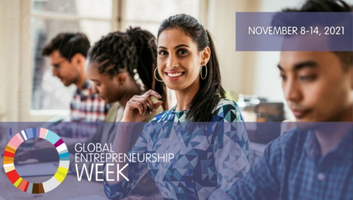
(203, 77)
(155, 76)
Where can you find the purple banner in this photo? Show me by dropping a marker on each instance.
(36, 161)
(294, 31)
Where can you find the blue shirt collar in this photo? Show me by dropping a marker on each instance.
(343, 150)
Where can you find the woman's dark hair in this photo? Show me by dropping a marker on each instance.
(130, 51)
(211, 89)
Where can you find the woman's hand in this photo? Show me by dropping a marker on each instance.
(139, 107)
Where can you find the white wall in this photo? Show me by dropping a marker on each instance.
(16, 61)
(244, 72)
(10, 17)
(267, 81)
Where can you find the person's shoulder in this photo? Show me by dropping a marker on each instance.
(153, 121)
(290, 141)
(112, 114)
(293, 134)
(226, 110)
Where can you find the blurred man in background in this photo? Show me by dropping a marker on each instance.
(67, 53)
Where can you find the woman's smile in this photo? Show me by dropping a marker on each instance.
(174, 75)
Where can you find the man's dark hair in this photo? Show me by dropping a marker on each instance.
(323, 6)
(346, 57)
(68, 44)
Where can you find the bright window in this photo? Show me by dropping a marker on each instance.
(50, 17)
(152, 12)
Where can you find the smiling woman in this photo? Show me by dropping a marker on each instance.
(186, 63)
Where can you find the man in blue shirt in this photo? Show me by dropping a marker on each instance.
(315, 160)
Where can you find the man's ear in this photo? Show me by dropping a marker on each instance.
(120, 78)
(78, 59)
(205, 56)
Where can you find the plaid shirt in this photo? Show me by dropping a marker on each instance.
(293, 169)
(87, 109)
(87, 106)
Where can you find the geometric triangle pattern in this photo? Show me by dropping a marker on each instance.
(206, 155)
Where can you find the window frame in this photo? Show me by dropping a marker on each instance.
(25, 98)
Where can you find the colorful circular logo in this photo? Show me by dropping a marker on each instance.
(21, 183)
